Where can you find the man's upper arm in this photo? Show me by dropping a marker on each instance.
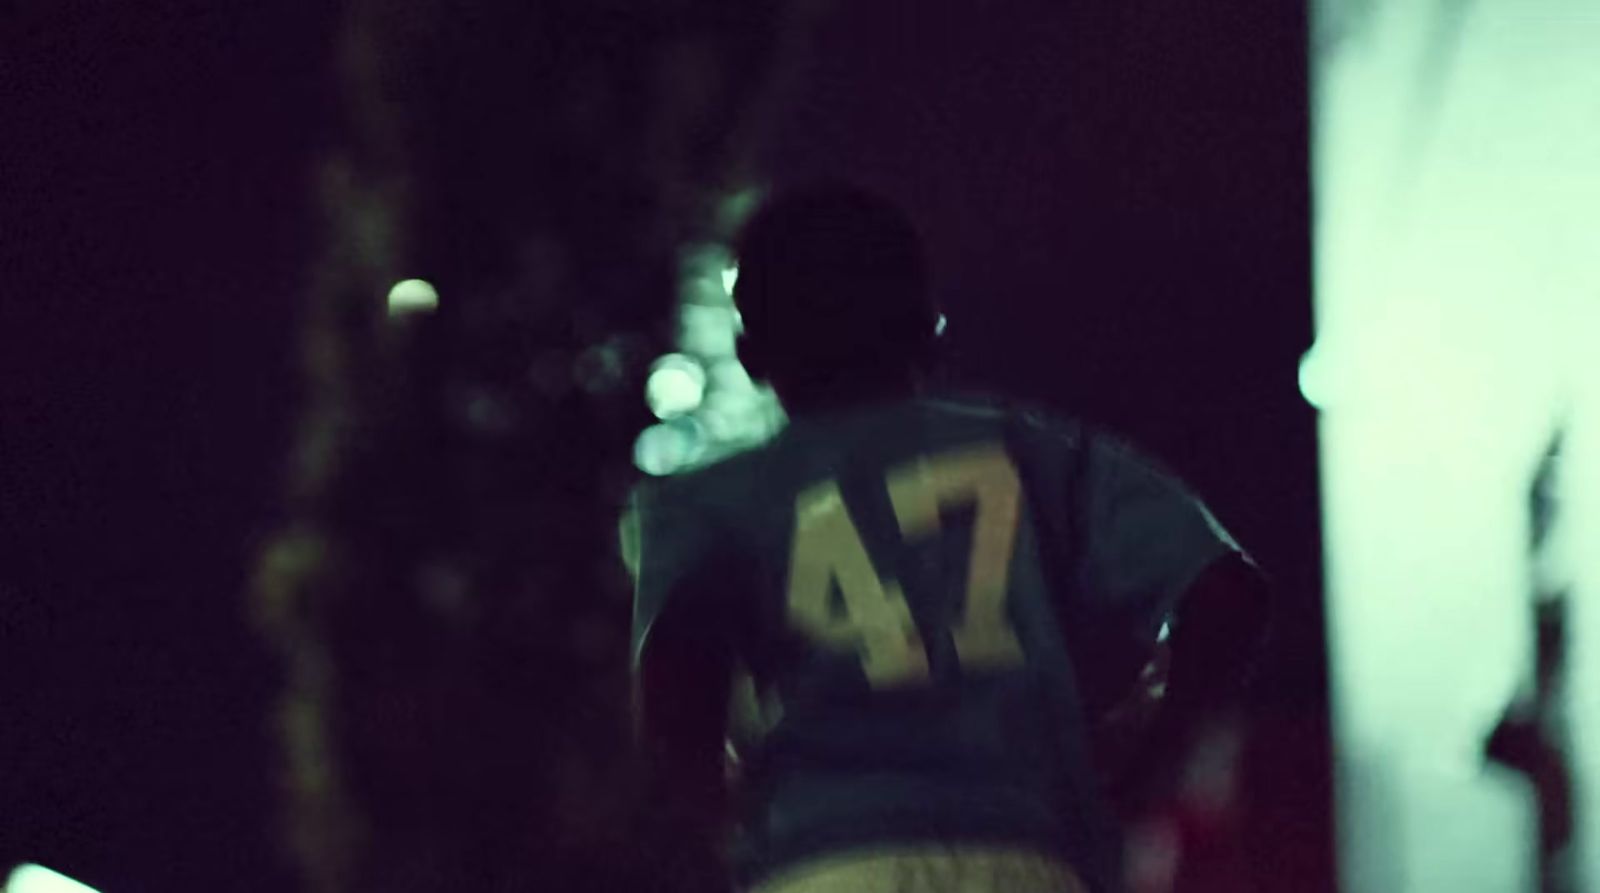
(666, 542)
(1138, 541)
(682, 656)
(1147, 540)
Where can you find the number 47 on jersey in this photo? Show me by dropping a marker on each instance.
(877, 622)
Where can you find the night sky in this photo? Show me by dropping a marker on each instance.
(1115, 194)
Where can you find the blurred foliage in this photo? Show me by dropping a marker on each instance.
(447, 600)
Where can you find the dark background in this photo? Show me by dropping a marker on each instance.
(1116, 195)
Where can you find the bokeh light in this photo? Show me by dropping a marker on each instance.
(710, 407)
(412, 296)
(676, 386)
(670, 447)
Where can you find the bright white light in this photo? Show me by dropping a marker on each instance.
(730, 275)
(675, 386)
(1456, 184)
(38, 879)
(941, 325)
(412, 296)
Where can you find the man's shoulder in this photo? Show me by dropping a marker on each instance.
(1065, 440)
(1033, 422)
(1066, 429)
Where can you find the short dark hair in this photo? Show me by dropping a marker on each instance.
(833, 276)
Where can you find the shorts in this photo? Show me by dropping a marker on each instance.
(929, 869)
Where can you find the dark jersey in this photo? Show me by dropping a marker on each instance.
(897, 581)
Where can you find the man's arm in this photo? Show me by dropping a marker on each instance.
(1150, 554)
(683, 685)
(1220, 625)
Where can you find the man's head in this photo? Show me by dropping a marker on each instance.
(833, 293)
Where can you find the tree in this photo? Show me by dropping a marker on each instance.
(447, 601)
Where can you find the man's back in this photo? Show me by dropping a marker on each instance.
(901, 583)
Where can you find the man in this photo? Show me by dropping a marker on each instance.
(926, 608)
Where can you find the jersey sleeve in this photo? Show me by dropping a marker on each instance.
(1146, 538)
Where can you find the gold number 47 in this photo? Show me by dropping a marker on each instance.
(877, 622)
